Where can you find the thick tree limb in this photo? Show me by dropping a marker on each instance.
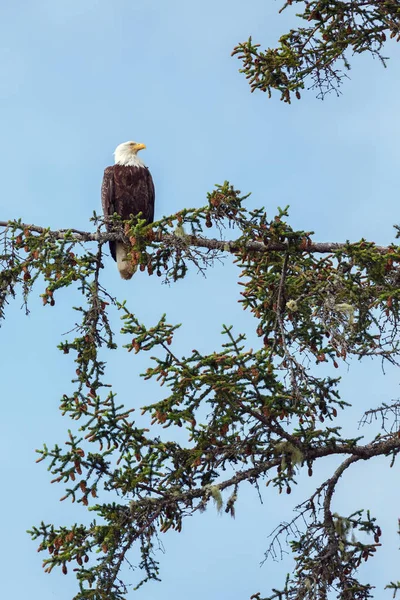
(389, 445)
(196, 241)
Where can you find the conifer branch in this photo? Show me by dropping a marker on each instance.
(232, 246)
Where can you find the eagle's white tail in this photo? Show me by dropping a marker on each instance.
(125, 267)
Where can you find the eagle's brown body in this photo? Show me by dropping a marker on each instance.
(127, 191)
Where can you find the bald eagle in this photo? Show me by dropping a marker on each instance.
(127, 189)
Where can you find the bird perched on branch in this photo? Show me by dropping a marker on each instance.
(127, 190)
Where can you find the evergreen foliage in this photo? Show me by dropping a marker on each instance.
(257, 415)
(317, 53)
(270, 412)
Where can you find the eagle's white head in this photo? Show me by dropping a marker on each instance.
(126, 154)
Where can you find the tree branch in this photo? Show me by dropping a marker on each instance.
(75, 235)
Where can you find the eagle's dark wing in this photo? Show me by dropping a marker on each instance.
(127, 191)
(133, 192)
(150, 197)
(108, 201)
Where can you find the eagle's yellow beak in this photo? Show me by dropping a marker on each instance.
(140, 147)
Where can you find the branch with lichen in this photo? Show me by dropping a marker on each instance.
(173, 239)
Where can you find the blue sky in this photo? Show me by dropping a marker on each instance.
(76, 79)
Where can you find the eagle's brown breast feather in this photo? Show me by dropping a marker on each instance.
(127, 191)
